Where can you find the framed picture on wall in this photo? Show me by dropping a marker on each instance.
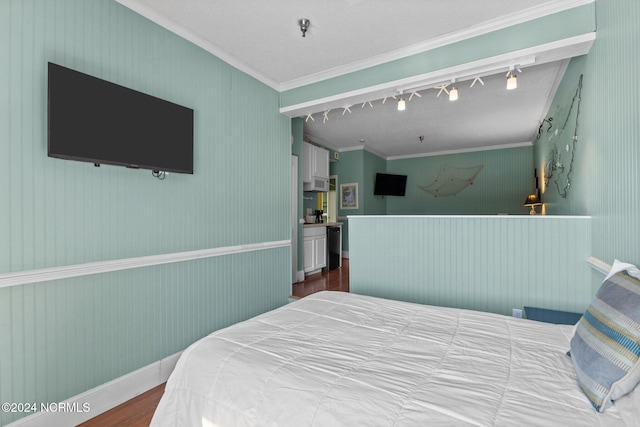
(349, 196)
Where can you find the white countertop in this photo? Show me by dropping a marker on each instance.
(322, 224)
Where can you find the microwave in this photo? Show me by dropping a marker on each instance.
(316, 184)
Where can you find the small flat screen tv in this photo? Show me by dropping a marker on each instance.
(390, 185)
(93, 120)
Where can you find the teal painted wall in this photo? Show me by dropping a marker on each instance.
(607, 178)
(501, 186)
(373, 205)
(296, 150)
(349, 169)
(310, 202)
(553, 137)
(612, 132)
(61, 338)
(482, 263)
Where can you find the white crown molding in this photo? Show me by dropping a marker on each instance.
(181, 31)
(520, 17)
(362, 147)
(354, 148)
(436, 153)
(463, 150)
(65, 272)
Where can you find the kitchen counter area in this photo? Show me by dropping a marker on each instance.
(322, 246)
(322, 224)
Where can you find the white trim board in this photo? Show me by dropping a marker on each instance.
(65, 272)
(599, 265)
(105, 396)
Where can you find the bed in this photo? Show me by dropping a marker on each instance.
(340, 359)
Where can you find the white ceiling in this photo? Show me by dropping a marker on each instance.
(262, 38)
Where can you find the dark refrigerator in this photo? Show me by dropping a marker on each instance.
(333, 248)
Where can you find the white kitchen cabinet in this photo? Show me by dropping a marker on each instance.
(315, 173)
(315, 249)
(320, 162)
(307, 163)
(320, 250)
(308, 247)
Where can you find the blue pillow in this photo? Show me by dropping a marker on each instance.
(605, 348)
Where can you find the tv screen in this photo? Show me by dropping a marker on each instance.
(390, 185)
(96, 121)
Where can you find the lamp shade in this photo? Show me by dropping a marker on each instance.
(532, 200)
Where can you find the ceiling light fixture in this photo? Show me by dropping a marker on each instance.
(453, 93)
(512, 79)
(473, 75)
(512, 82)
(401, 103)
(304, 25)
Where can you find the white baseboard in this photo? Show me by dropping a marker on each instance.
(345, 254)
(103, 397)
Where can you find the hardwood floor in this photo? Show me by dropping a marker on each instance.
(334, 280)
(138, 411)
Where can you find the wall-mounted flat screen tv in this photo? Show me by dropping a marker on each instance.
(93, 120)
(390, 185)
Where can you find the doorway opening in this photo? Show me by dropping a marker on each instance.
(328, 202)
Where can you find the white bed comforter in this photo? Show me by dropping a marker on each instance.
(339, 359)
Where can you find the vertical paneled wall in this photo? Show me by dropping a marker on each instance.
(606, 174)
(58, 212)
(612, 132)
(61, 338)
(487, 263)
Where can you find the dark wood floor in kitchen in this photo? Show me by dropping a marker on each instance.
(138, 411)
(334, 280)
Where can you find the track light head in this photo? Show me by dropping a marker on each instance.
(401, 104)
(512, 79)
(453, 94)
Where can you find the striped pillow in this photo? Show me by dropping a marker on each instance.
(606, 346)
